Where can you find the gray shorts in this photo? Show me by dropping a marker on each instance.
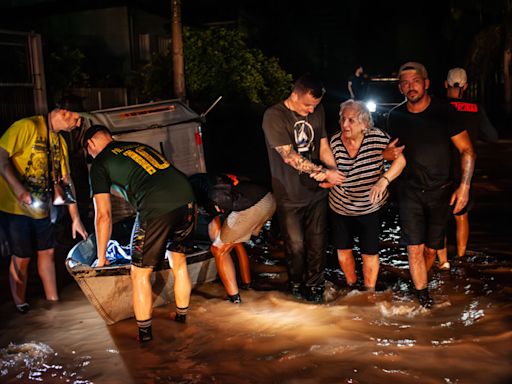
(240, 225)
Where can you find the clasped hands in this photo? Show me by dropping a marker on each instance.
(328, 177)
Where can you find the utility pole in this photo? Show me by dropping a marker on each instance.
(177, 51)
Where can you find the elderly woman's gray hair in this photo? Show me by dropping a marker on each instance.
(363, 115)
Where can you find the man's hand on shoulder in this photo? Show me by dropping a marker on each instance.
(392, 151)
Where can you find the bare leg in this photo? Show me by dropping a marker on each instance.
(46, 269)
(18, 274)
(182, 283)
(348, 265)
(243, 262)
(430, 255)
(462, 233)
(142, 292)
(225, 267)
(442, 254)
(417, 266)
(370, 270)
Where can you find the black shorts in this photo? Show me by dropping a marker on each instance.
(171, 231)
(345, 228)
(27, 235)
(424, 215)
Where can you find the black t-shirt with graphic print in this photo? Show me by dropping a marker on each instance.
(427, 139)
(284, 127)
(146, 179)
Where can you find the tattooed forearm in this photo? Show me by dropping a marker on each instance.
(292, 158)
(467, 163)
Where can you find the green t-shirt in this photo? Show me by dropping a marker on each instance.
(145, 178)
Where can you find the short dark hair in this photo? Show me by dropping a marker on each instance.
(70, 102)
(94, 129)
(308, 83)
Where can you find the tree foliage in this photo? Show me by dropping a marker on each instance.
(64, 69)
(217, 62)
(153, 80)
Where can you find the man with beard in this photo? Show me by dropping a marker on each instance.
(427, 128)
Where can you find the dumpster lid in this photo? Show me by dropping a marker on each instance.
(143, 116)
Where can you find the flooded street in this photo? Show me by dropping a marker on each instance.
(356, 337)
(270, 338)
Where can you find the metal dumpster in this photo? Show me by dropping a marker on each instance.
(168, 126)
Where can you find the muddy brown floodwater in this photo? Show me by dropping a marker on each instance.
(271, 338)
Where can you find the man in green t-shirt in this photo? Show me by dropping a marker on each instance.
(164, 201)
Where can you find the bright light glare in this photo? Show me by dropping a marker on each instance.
(372, 107)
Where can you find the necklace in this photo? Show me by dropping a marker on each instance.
(303, 133)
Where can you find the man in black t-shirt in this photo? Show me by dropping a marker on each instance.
(164, 201)
(426, 128)
(300, 157)
(474, 118)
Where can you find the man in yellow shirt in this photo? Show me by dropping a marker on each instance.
(26, 149)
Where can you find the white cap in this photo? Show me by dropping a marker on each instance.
(456, 77)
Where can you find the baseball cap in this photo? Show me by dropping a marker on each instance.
(456, 77)
(418, 67)
(92, 131)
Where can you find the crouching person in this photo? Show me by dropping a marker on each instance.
(244, 207)
(164, 201)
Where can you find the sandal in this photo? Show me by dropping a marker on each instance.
(445, 266)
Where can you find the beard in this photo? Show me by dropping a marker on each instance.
(414, 96)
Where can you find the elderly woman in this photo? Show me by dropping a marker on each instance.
(356, 203)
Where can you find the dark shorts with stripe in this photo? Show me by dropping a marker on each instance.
(171, 231)
(424, 215)
(366, 227)
(27, 235)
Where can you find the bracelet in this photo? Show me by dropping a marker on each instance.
(385, 178)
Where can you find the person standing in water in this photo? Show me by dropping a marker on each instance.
(474, 119)
(427, 128)
(356, 203)
(237, 209)
(300, 160)
(164, 201)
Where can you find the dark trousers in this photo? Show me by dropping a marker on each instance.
(304, 231)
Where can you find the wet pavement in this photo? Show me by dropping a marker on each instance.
(271, 338)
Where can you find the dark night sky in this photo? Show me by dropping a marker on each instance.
(331, 37)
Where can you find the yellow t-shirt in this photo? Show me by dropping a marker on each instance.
(26, 143)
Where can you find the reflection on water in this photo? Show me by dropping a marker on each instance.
(35, 361)
(357, 337)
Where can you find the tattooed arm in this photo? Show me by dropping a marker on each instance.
(467, 163)
(303, 165)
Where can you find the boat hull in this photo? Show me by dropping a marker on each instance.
(109, 288)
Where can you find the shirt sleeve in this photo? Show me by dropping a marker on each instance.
(99, 179)
(17, 137)
(453, 121)
(274, 127)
